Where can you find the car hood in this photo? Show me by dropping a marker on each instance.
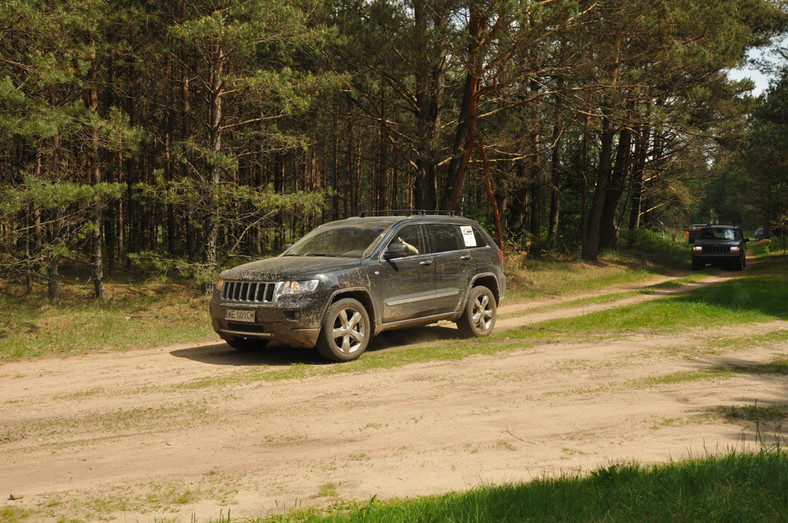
(284, 268)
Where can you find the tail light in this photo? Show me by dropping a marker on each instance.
(500, 255)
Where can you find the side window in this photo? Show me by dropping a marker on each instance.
(444, 237)
(481, 240)
(413, 237)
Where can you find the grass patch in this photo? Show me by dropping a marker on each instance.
(643, 255)
(159, 501)
(616, 296)
(118, 423)
(727, 343)
(759, 295)
(735, 487)
(328, 490)
(538, 278)
(145, 314)
(14, 514)
(753, 413)
(682, 377)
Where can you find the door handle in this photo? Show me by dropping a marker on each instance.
(465, 257)
(426, 262)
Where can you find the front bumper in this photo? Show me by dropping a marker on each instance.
(295, 323)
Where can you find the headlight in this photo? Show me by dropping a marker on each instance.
(219, 284)
(735, 249)
(291, 288)
(697, 249)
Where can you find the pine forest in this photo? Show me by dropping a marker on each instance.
(192, 133)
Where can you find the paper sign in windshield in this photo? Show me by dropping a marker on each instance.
(468, 236)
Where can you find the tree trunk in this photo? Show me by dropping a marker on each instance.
(430, 86)
(555, 187)
(638, 171)
(591, 246)
(517, 208)
(192, 230)
(491, 196)
(585, 172)
(464, 136)
(53, 279)
(215, 145)
(590, 249)
(608, 233)
(98, 212)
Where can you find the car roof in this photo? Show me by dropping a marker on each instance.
(391, 220)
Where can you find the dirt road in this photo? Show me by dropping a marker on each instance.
(202, 430)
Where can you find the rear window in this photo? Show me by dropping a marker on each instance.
(481, 241)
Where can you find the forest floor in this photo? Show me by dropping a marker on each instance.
(200, 431)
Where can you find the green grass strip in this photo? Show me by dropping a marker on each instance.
(737, 487)
(760, 295)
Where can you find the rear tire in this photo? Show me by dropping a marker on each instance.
(346, 331)
(478, 318)
(245, 344)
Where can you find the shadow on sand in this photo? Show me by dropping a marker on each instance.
(278, 354)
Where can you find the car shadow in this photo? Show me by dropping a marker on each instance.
(273, 354)
(405, 338)
(277, 354)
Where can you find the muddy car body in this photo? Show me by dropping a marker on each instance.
(348, 280)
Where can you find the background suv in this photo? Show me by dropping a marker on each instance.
(692, 232)
(719, 245)
(350, 279)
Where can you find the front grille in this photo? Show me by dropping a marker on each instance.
(716, 249)
(248, 291)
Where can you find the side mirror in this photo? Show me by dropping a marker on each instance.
(397, 250)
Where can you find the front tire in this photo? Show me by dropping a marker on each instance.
(478, 318)
(346, 331)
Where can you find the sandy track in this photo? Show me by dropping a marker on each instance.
(199, 430)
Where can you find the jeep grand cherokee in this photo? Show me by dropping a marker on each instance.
(350, 279)
(720, 245)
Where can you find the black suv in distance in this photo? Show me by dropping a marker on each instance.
(350, 279)
(719, 245)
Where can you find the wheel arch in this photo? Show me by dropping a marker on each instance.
(360, 295)
(491, 282)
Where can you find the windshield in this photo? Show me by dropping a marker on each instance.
(341, 240)
(717, 234)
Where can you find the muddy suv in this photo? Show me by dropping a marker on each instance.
(720, 245)
(348, 280)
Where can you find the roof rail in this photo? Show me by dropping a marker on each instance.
(405, 212)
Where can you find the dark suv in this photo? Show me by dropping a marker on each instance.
(719, 245)
(350, 279)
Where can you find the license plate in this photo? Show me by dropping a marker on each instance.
(245, 316)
